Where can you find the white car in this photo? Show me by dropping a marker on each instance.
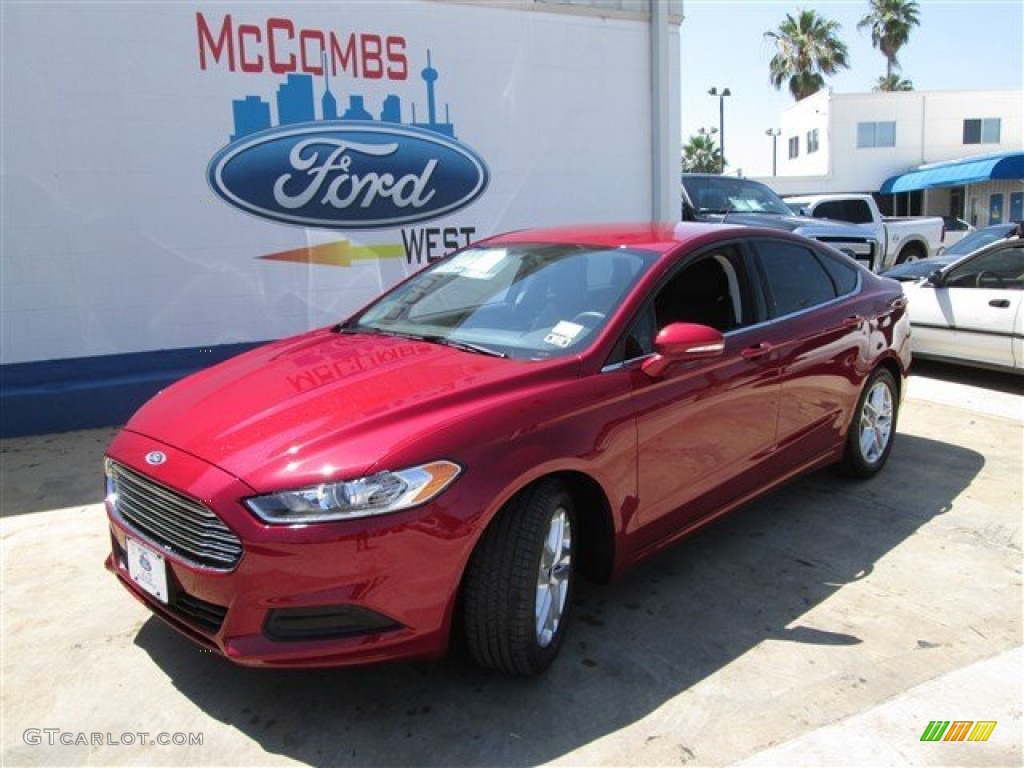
(970, 309)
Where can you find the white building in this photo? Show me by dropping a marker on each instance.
(880, 142)
(159, 207)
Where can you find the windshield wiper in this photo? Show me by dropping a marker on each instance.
(465, 346)
(369, 330)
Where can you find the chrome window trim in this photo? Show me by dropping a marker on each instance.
(618, 366)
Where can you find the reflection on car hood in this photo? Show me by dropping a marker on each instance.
(279, 414)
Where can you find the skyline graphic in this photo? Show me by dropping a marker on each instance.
(296, 103)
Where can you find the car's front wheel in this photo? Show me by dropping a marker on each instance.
(871, 433)
(518, 586)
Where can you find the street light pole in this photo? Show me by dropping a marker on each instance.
(774, 133)
(721, 120)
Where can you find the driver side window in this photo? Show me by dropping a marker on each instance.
(707, 291)
(1001, 269)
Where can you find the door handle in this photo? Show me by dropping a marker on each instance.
(1000, 303)
(756, 350)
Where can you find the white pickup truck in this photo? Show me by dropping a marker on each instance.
(900, 239)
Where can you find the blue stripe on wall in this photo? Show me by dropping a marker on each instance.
(85, 392)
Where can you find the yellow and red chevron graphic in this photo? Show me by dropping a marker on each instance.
(340, 253)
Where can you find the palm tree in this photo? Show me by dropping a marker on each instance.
(893, 82)
(806, 48)
(890, 22)
(701, 155)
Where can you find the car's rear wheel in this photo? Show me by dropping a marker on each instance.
(518, 586)
(871, 433)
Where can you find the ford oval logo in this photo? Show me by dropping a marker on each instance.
(348, 175)
(155, 457)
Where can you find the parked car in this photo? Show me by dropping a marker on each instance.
(917, 270)
(968, 308)
(902, 239)
(713, 198)
(538, 406)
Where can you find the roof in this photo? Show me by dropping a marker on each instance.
(648, 235)
(970, 170)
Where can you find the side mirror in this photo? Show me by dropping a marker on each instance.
(682, 342)
(935, 278)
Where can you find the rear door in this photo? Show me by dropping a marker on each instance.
(975, 314)
(818, 336)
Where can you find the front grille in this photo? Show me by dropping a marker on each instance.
(172, 520)
(861, 250)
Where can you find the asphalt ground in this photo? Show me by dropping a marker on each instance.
(826, 624)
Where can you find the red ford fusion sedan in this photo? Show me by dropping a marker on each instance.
(538, 407)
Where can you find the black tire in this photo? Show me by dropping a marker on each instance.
(873, 427)
(500, 589)
(911, 252)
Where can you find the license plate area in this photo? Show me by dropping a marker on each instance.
(147, 568)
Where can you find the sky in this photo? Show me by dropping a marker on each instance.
(963, 45)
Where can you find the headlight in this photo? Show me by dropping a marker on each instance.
(375, 495)
(111, 485)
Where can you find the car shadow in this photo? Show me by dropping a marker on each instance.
(999, 381)
(635, 644)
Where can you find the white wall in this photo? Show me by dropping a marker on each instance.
(113, 241)
(797, 122)
(929, 129)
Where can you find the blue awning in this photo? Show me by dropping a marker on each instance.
(956, 173)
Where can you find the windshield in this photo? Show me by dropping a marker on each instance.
(724, 194)
(980, 239)
(522, 301)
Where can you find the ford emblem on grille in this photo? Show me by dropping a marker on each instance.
(155, 457)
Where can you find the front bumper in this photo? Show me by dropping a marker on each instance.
(330, 594)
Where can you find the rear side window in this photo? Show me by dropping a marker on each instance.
(796, 277)
(844, 276)
(854, 211)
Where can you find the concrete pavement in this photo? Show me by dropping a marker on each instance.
(825, 624)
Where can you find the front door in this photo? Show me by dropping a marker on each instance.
(975, 314)
(704, 426)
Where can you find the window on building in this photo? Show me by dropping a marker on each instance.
(879, 134)
(982, 130)
(794, 147)
(812, 141)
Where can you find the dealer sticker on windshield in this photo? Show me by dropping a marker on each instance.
(477, 264)
(563, 334)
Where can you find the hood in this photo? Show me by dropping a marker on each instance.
(920, 269)
(322, 405)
